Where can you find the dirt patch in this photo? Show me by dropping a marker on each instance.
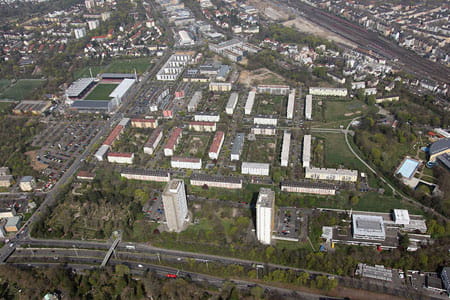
(260, 76)
(303, 25)
(35, 164)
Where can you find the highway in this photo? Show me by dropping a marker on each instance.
(370, 40)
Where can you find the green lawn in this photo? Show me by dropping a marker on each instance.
(23, 89)
(4, 83)
(271, 105)
(262, 150)
(101, 92)
(5, 107)
(117, 66)
(86, 73)
(195, 145)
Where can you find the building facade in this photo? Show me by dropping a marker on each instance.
(265, 212)
(175, 205)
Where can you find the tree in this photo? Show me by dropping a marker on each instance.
(404, 241)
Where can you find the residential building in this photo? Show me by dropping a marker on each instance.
(356, 85)
(285, 149)
(253, 168)
(6, 180)
(175, 205)
(144, 123)
(387, 99)
(207, 117)
(265, 120)
(101, 152)
(273, 89)
(172, 142)
(216, 145)
(249, 103)
(202, 126)
(225, 182)
(368, 227)
(146, 175)
(85, 175)
(120, 158)
(231, 104)
(290, 105)
(79, 33)
(263, 130)
(323, 91)
(238, 145)
(27, 183)
(308, 187)
(445, 276)
(306, 155)
(331, 174)
(7, 213)
(265, 214)
(186, 162)
(153, 141)
(220, 86)
(308, 107)
(174, 66)
(195, 100)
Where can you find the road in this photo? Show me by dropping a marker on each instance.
(394, 189)
(370, 40)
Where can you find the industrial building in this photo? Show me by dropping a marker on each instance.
(175, 205)
(263, 130)
(220, 86)
(7, 213)
(306, 154)
(265, 214)
(146, 175)
(202, 126)
(400, 216)
(186, 162)
(250, 102)
(265, 120)
(225, 182)
(185, 38)
(285, 149)
(174, 66)
(173, 140)
(234, 49)
(308, 187)
(207, 117)
(27, 183)
(308, 107)
(273, 89)
(231, 104)
(120, 158)
(153, 141)
(368, 227)
(31, 107)
(144, 123)
(195, 100)
(377, 272)
(238, 145)
(216, 145)
(439, 148)
(253, 168)
(331, 174)
(290, 105)
(324, 91)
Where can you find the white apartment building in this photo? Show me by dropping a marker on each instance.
(308, 107)
(249, 103)
(252, 168)
(207, 117)
(216, 145)
(153, 141)
(175, 205)
(331, 174)
(285, 149)
(146, 175)
(290, 105)
(186, 163)
(265, 212)
(120, 158)
(265, 120)
(306, 155)
(323, 91)
(231, 104)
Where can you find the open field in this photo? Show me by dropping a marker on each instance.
(5, 107)
(270, 105)
(22, 89)
(4, 83)
(101, 92)
(117, 66)
(262, 150)
(260, 76)
(332, 113)
(194, 145)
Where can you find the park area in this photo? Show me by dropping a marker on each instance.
(101, 92)
(261, 150)
(194, 145)
(332, 113)
(21, 90)
(117, 66)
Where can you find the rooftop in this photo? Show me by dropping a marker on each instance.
(439, 146)
(266, 197)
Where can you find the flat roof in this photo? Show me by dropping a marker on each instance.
(255, 165)
(367, 225)
(13, 221)
(232, 100)
(439, 146)
(401, 215)
(308, 184)
(186, 159)
(118, 75)
(146, 172)
(91, 104)
(238, 143)
(215, 178)
(266, 197)
(333, 171)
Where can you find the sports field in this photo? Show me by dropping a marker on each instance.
(101, 92)
(117, 66)
(22, 89)
(4, 83)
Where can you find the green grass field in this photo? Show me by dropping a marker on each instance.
(5, 107)
(117, 66)
(22, 90)
(4, 83)
(271, 105)
(195, 145)
(101, 92)
(262, 150)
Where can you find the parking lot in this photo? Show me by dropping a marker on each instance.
(287, 222)
(60, 143)
(154, 209)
